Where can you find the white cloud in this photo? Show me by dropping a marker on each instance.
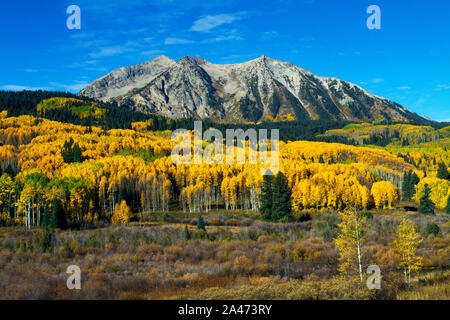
(440, 87)
(222, 38)
(31, 70)
(404, 88)
(113, 50)
(169, 41)
(151, 52)
(75, 87)
(378, 80)
(420, 101)
(13, 87)
(207, 23)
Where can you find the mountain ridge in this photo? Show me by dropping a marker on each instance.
(243, 92)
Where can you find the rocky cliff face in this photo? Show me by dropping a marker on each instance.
(249, 91)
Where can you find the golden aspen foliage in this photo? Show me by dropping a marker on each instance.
(385, 194)
(122, 214)
(440, 191)
(405, 244)
(321, 175)
(353, 229)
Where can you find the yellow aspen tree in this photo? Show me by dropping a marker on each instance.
(353, 228)
(122, 214)
(405, 244)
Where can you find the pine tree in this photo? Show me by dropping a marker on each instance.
(76, 153)
(410, 180)
(442, 172)
(265, 197)
(55, 217)
(406, 186)
(281, 197)
(66, 151)
(71, 152)
(321, 159)
(433, 228)
(413, 180)
(201, 224)
(426, 206)
(9, 170)
(186, 233)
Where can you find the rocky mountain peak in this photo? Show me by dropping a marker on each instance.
(248, 91)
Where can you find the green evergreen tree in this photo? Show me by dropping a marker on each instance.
(410, 180)
(71, 152)
(426, 206)
(9, 170)
(265, 197)
(321, 159)
(414, 180)
(76, 153)
(66, 151)
(406, 186)
(46, 217)
(55, 217)
(442, 172)
(281, 198)
(433, 228)
(186, 233)
(201, 224)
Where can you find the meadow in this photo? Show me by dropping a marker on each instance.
(239, 256)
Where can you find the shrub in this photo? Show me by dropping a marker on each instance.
(214, 222)
(242, 264)
(232, 222)
(433, 228)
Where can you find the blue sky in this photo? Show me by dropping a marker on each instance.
(407, 61)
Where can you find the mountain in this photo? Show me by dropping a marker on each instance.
(263, 88)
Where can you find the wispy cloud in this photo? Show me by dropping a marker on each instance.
(13, 87)
(207, 23)
(420, 101)
(440, 87)
(30, 70)
(74, 87)
(151, 52)
(232, 35)
(170, 41)
(404, 88)
(270, 35)
(113, 50)
(377, 80)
